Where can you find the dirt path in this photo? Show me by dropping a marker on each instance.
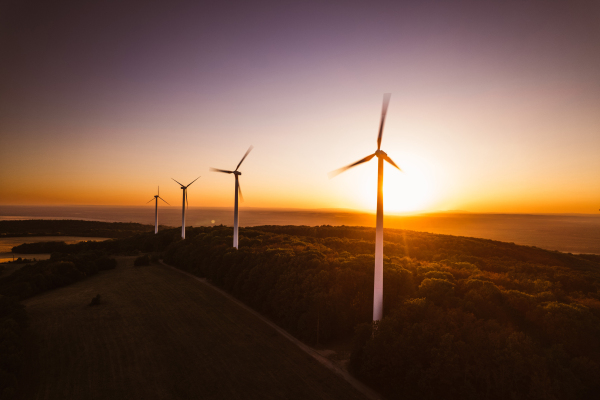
(368, 392)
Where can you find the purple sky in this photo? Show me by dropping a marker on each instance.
(494, 106)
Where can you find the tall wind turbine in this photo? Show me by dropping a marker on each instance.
(184, 188)
(381, 155)
(156, 197)
(236, 173)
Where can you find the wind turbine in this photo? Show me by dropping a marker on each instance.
(236, 173)
(381, 155)
(184, 188)
(156, 197)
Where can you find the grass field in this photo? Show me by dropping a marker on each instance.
(158, 334)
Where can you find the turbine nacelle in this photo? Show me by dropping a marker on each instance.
(382, 156)
(184, 204)
(238, 192)
(189, 184)
(235, 172)
(156, 197)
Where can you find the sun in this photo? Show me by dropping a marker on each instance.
(409, 190)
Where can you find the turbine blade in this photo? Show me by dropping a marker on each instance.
(149, 201)
(163, 199)
(187, 205)
(158, 191)
(192, 182)
(340, 170)
(177, 182)
(386, 158)
(240, 191)
(247, 151)
(220, 170)
(386, 102)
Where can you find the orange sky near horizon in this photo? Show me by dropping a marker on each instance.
(494, 107)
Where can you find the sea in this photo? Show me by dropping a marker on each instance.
(571, 233)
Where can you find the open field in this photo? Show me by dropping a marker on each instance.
(160, 335)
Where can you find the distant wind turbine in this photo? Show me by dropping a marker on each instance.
(236, 173)
(183, 206)
(381, 155)
(156, 197)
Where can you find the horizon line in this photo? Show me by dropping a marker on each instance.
(319, 209)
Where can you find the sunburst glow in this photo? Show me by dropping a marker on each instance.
(413, 189)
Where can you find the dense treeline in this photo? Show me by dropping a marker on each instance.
(463, 317)
(69, 227)
(128, 245)
(435, 247)
(43, 247)
(59, 270)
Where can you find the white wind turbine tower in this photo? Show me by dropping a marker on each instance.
(156, 197)
(378, 285)
(184, 188)
(236, 173)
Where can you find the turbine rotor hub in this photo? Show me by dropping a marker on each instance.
(237, 173)
(380, 153)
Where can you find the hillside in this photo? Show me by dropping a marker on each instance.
(159, 335)
(463, 317)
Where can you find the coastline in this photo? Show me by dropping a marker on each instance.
(571, 233)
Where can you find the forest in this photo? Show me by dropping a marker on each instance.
(68, 227)
(60, 270)
(464, 318)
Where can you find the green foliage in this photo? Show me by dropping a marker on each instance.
(437, 274)
(59, 270)
(437, 290)
(424, 351)
(41, 247)
(20, 228)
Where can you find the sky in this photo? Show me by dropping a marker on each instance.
(494, 106)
